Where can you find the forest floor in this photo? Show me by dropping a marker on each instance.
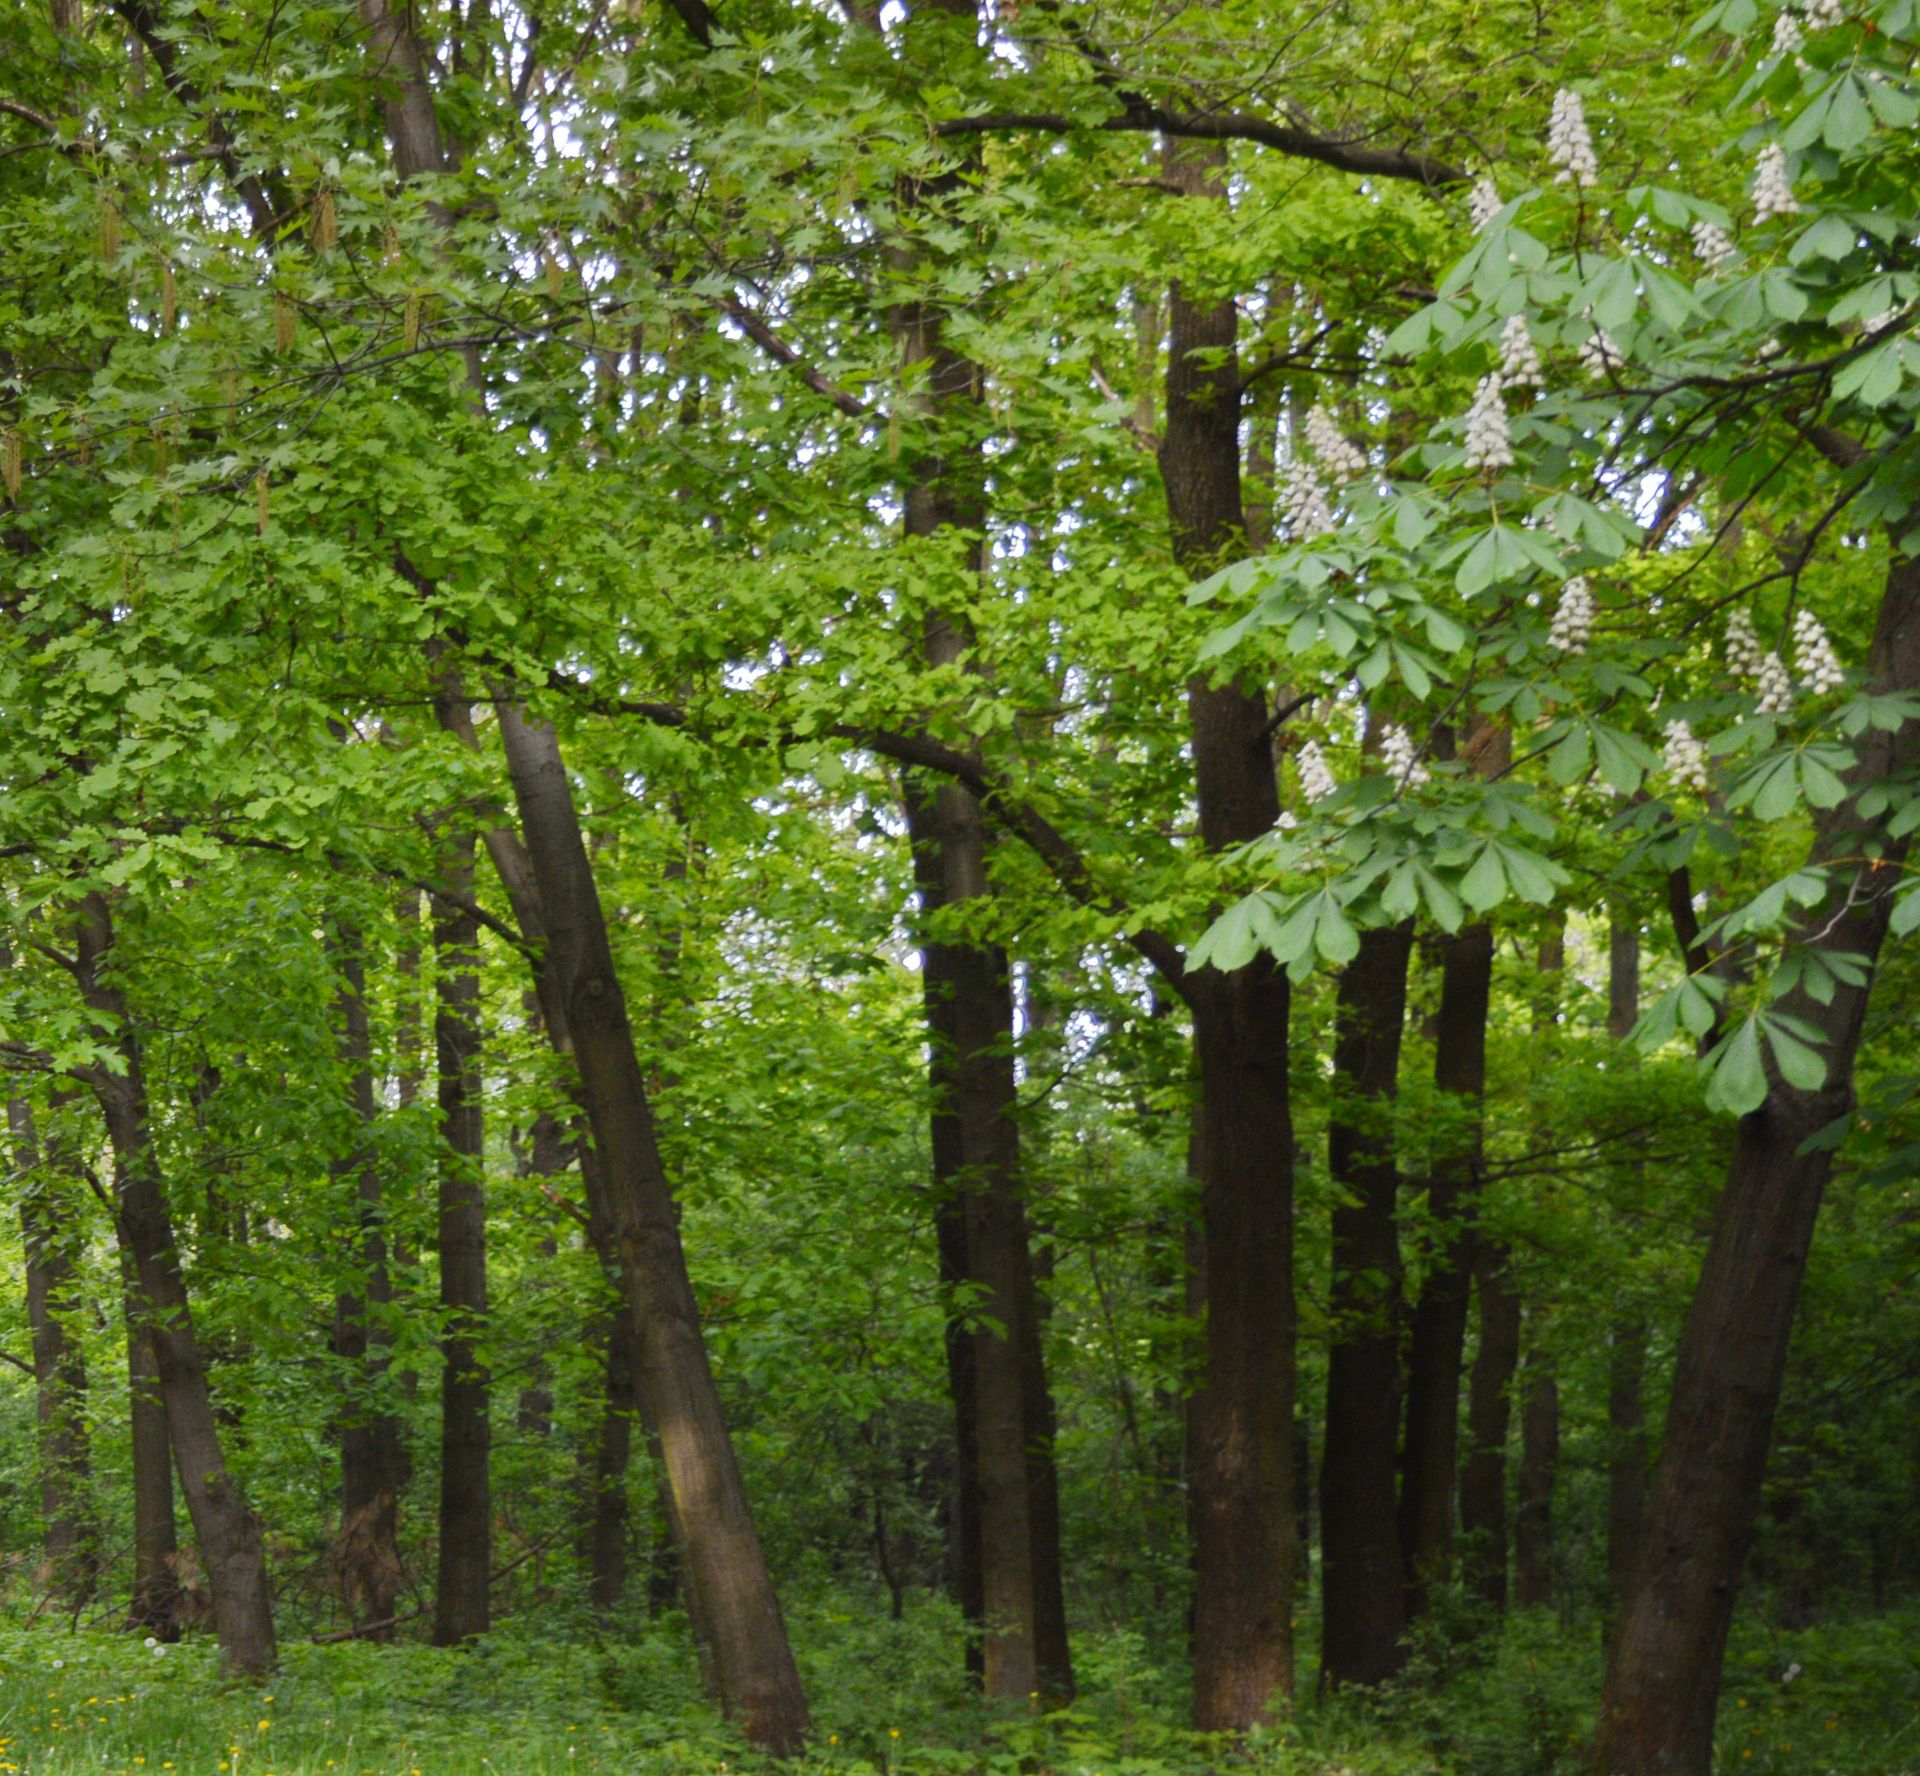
(1842, 1698)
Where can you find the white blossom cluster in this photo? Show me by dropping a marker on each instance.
(1483, 203)
(1711, 246)
(1489, 444)
(1344, 459)
(1317, 781)
(1685, 758)
(1822, 13)
(1884, 319)
(1787, 36)
(1304, 504)
(1744, 652)
(1774, 686)
(1772, 188)
(1572, 618)
(1401, 757)
(1813, 656)
(1519, 356)
(1569, 143)
(1599, 354)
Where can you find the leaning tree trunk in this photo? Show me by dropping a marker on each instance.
(1363, 1604)
(49, 1225)
(370, 1454)
(462, 1598)
(727, 1579)
(1240, 1499)
(1439, 1327)
(231, 1544)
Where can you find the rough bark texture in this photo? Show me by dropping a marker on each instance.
(155, 1603)
(231, 1545)
(462, 1606)
(1483, 1476)
(607, 1526)
(1363, 1603)
(1533, 1562)
(1240, 1492)
(1439, 1328)
(1663, 1679)
(370, 1457)
(728, 1584)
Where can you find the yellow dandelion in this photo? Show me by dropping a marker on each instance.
(893, 1732)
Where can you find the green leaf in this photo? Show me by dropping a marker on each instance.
(1738, 1074)
(1485, 884)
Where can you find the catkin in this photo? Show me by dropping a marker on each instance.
(326, 221)
(283, 319)
(260, 502)
(410, 321)
(390, 243)
(109, 228)
(556, 279)
(11, 473)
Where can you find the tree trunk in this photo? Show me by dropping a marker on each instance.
(462, 1599)
(155, 1604)
(231, 1544)
(369, 1547)
(1437, 1350)
(1539, 1464)
(1362, 1600)
(1483, 1477)
(1627, 1341)
(728, 1583)
(69, 1535)
(607, 1517)
(1663, 1679)
(1240, 1494)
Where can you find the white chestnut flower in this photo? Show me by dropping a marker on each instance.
(1744, 652)
(1813, 656)
(1787, 36)
(1823, 13)
(1711, 246)
(1519, 356)
(1883, 320)
(1599, 355)
(1483, 203)
(1489, 444)
(1572, 625)
(1685, 758)
(1772, 187)
(1774, 686)
(1303, 502)
(1569, 143)
(1401, 757)
(1317, 781)
(1344, 459)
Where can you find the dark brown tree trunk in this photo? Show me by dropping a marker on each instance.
(462, 1597)
(370, 1476)
(231, 1544)
(49, 1228)
(963, 1524)
(1429, 1455)
(1663, 1679)
(1363, 1601)
(1240, 1494)
(1483, 1477)
(155, 1604)
(1533, 1561)
(1627, 1343)
(607, 1519)
(730, 1590)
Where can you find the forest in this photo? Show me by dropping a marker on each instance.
(960, 887)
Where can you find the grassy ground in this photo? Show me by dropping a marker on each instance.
(1843, 1699)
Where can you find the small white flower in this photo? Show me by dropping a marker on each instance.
(59, 1664)
(1317, 781)
(1572, 618)
(1768, 348)
(1599, 355)
(1774, 686)
(1489, 444)
(1569, 144)
(1822, 13)
(1772, 187)
(1483, 204)
(1787, 36)
(1304, 504)
(159, 1649)
(1711, 246)
(1401, 757)
(1344, 459)
(1884, 319)
(1286, 822)
(1813, 656)
(1519, 356)
(1744, 652)
(150, 1642)
(1791, 1672)
(1685, 758)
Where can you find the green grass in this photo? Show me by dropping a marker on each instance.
(887, 1702)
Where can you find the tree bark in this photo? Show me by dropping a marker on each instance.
(729, 1586)
(69, 1534)
(1241, 1487)
(231, 1544)
(1437, 1349)
(155, 1604)
(1539, 1467)
(1483, 1476)
(1627, 1340)
(370, 1457)
(462, 1597)
(1363, 1603)
(607, 1517)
